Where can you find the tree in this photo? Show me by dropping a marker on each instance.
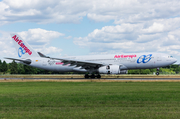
(20, 68)
(134, 71)
(30, 70)
(0, 66)
(13, 67)
(145, 71)
(4, 67)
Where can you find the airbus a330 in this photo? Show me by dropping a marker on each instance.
(91, 65)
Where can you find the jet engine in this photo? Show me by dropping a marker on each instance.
(109, 69)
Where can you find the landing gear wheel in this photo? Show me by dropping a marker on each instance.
(98, 76)
(86, 76)
(92, 76)
(157, 73)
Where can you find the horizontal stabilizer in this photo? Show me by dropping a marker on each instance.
(27, 61)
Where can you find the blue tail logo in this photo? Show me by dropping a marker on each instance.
(21, 51)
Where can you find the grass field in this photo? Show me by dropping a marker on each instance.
(74, 100)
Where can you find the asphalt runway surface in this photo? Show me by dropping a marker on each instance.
(83, 79)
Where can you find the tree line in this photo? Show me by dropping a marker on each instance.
(171, 69)
(17, 68)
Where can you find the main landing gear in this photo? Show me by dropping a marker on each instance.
(157, 73)
(86, 76)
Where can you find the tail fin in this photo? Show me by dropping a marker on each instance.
(22, 47)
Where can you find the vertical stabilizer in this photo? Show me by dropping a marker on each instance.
(22, 47)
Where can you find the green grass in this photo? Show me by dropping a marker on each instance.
(90, 100)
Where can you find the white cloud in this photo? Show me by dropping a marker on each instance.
(150, 10)
(162, 36)
(40, 38)
(155, 28)
(37, 38)
(46, 11)
(50, 50)
(140, 25)
(68, 37)
(6, 45)
(72, 11)
(112, 34)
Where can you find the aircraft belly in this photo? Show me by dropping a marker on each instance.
(145, 65)
(58, 68)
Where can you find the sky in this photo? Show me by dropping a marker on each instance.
(60, 28)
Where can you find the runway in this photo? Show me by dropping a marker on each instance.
(90, 80)
(105, 78)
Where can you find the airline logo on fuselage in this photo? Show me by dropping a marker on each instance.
(59, 63)
(144, 58)
(124, 56)
(23, 49)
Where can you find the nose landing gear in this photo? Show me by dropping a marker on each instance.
(157, 73)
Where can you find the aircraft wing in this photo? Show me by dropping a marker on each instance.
(26, 61)
(84, 64)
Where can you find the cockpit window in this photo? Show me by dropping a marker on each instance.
(170, 56)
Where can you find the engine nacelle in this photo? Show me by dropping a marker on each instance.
(109, 69)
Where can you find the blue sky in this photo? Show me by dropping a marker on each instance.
(63, 28)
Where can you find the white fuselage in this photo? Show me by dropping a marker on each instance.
(111, 64)
(125, 61)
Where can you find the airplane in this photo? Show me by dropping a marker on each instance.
(95, 65)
